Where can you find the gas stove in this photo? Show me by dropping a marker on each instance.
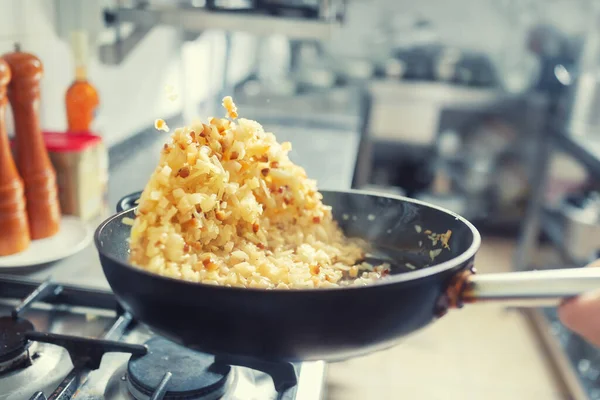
(61, 342)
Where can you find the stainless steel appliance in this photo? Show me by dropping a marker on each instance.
(67, 342)
(130, 21)
(574, 224)
(466, 148)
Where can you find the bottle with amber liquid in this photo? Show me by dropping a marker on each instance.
(14, 231)
(32, 159)
(82, 97)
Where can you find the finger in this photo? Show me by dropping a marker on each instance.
(582, 315)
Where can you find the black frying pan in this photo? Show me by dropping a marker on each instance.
(330, 324)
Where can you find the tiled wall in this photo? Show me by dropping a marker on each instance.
(132, 94)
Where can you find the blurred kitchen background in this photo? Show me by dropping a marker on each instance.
(486, 107)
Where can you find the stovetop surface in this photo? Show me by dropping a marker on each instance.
(51, 364)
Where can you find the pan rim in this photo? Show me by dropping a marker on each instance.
(403, 277)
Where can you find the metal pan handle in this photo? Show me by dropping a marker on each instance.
(530, 288)
(128, 202)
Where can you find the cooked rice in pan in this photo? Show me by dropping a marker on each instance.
(226, 206)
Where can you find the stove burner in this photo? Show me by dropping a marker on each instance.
(13, 342)
(194, 375)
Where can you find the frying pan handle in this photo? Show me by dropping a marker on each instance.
(128, 202)
(530, 288)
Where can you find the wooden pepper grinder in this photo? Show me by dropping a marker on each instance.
(14, 236)
(33, 162)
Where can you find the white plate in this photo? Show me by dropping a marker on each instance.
(72, 237)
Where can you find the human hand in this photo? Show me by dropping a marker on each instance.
(582, 314)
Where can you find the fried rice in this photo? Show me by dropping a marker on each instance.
(226, 206)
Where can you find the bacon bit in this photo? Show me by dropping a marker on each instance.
(166, 146)
(181, 146)
(189, 224)
(316, 220)
(193, 135)
(157, 244)
(186, 247)
(183, 172)
(385, 272)
(260, 246)
(234, 155)
(264, 158)
(220, 215)
(315, 269)
(255, 227)
(274, 164)
(287, 201)
(264, 171)
(280, 189)
(211, 266)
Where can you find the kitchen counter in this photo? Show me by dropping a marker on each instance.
(481, 352)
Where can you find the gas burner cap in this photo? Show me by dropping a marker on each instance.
(194, 375)
(13, 342)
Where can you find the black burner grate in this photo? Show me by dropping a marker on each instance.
(188, 374)
(167, 371)
(13, 340)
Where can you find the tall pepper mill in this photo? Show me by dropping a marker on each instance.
(14, 231)
(32, 158)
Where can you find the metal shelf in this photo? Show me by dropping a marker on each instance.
(574, 359)
(551, 227)
(577, 362)
(584, 148)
